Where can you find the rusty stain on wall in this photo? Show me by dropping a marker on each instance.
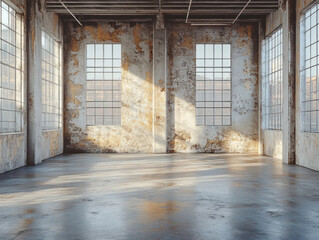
(11, 155)
(74, 45)
(125, 63)
(74, 90)
(183, 134)
(33, 38)
(135, 133)
(101, 34)
(55, 22)
(137, 30)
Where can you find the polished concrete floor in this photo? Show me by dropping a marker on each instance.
(177, 196)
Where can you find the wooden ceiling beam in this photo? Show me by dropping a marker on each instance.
(155, 11)
(179, 8)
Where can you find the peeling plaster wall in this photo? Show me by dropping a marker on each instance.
(136, 132)
(13, 147)
(183, 134)
(272, 139)
(307, 144)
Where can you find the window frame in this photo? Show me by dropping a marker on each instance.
(204, 124)
(60, 85)
(303, 70)
(19, 59)
(113, 116)
(266, 62)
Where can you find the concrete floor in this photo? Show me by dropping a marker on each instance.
(178, 196)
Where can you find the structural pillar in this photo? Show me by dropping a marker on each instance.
(159, 91)
(289, 82)
(34, 26)
(261, 36)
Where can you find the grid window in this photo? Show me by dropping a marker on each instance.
(272, 81)
(11, 69)
(51, 83)
(310, 70)
(213, 84)
(103, 74)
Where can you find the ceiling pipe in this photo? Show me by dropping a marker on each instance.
(214, 24)
(241, 11)
(189, 9)
(210, 24)
(70, 13)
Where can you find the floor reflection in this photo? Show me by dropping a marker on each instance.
(178, 196)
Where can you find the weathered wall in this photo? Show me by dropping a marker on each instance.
(13, 146)
(273, 21)
(307, 144)
(32, 145)
(41, 144)
(183, 134)
(136, 132)
(272, 143)
(271, 139)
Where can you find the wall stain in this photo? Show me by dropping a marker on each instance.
(102, 35)
(74, 44)
(75, 60)
(73, 91)
(55, 22)
(136, 132)
(137, 30)
(181, 91)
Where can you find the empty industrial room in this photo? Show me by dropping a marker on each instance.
(159, 119)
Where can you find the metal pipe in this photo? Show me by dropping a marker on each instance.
(241, 11)
(70, 13)
(189, 8)
(210, 24)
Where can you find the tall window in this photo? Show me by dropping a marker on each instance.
(103, 99)
(272, 81)
(51, 83)
(213, 84)
(11, 70)
(309, 74)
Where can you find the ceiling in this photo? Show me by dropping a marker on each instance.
(173, 10)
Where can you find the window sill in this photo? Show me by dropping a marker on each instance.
(52, 130)
(8, 134)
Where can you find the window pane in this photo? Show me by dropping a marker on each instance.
(11, 71)
(200, 51)
(309, 84)
(98, 50)
(272, 81)
(51, 83)
(116, 51)
(213, 84)
(90, 51)
(104, 94)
